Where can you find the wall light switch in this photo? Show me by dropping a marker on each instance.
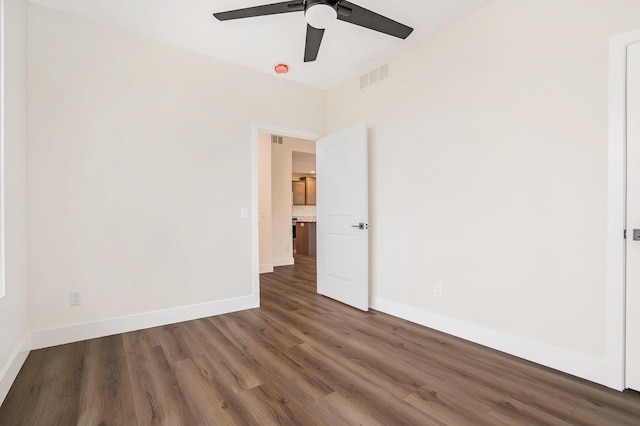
(244, 213)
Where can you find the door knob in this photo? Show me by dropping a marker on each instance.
(361, 225)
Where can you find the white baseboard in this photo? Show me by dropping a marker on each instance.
(111, 326)
(266, 268)
(580, 365)
(284, 261)
(11, 369)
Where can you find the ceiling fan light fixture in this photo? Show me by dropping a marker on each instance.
(321, 15)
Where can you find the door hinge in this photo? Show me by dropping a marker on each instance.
(625, 234)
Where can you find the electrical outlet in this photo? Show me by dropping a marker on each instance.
(437, 290)
(74, 298)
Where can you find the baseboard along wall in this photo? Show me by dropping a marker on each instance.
(111, 326)
(576, 364)
(11, 369)
(285, 261)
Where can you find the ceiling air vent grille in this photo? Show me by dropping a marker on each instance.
(375, 76)
(275, 139)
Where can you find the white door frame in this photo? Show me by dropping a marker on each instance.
(614, 368)
(256, 128)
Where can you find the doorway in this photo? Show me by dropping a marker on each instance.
(269, 216)
(343, 241)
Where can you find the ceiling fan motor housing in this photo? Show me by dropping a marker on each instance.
(321, 13)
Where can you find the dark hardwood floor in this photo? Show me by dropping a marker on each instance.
(301, 359)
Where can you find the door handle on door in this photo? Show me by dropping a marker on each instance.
(362, 226)
(636, 235)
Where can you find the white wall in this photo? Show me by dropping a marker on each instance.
(140, 161)
(14, 325)
(304, 211)
(281, 177)
(488, 174)
(264, 203)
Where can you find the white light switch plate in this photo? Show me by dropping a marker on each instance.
(244, 213)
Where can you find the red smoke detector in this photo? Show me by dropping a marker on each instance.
(282, 68)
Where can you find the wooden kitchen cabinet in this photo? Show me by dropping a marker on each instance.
(306, 238)
(304, 191)
(310, 185)
(299, 193)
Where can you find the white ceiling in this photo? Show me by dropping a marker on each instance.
(261, 43)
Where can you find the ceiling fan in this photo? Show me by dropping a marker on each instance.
(319, 14)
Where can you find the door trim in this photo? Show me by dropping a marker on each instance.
(616, 221)
(256, 128)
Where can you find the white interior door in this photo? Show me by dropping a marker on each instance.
(633, 218)
(343, 217)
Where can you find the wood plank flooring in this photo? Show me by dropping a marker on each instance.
(301, 359)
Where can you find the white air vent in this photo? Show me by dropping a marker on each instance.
(375, 76)
(384, 72)
(276, 139)
(364, 81)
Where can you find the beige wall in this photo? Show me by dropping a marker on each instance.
(14, 324)
(140, 161)
(488, 174)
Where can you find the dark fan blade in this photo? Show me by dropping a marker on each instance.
(312, 47)
(357, 15)
(267, 9)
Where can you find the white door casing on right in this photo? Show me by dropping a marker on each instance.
(343, 217)
(633, 219)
